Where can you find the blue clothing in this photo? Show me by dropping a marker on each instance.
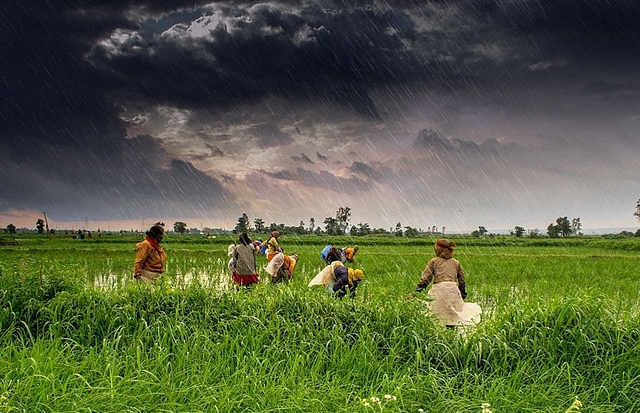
(325, 251)
(331, 253)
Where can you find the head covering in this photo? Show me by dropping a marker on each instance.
(244, 239)
(356, 248)
(355, 275)
(154, 231)
(444, 248)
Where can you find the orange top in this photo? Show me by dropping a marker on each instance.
(148, 258)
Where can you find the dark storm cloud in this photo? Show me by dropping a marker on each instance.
(610, 88)
(269, 135)
(141, 179)
(70, 69)
(302, 158)
(325, 180)
(432, 140)
(334, 54)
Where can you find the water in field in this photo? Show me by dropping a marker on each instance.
(211, 273)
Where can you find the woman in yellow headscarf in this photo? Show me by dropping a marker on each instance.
(338, 279)
(449, 287)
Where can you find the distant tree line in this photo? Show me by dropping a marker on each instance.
(340, 225)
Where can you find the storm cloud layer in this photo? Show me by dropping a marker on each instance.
(454, 114)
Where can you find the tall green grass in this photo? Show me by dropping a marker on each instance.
(559, 321)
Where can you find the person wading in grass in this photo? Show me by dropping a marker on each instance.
(449, 287)
(272, 245)
(331, 253)
(349, 253)
(338, 279)
(150, 257)
(281, 267)
(243, 267)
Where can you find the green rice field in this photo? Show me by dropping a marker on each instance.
(560, 321)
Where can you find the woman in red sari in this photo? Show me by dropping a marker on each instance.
(244, 262)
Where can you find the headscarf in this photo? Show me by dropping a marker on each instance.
(154, 231)
(244, 239)
(354, 275)
(444, 248)
(152, 236)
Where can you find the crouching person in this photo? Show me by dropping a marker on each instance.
(338, 279)
(281, 267)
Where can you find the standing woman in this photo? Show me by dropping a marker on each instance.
(150, 257)
(244, 262)
(272, 245)
(449, 287)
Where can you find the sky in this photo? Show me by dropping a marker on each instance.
(116, 114)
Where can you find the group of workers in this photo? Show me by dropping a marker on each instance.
(444, 272)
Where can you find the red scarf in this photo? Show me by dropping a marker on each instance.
(153, 243)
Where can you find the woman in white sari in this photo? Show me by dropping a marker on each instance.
(449, 288)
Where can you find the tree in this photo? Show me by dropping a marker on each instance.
(552, 231)
(563, 226)
(179, 227)
(40, 225)
(534, 233)
(576, 226)
(258, 223)
(11, 229)
(331, 226)
(242, 225)
(343, 215)
(360, 230)
(410, 232)
(398, 230)
(312, 225)
(482, 230)
(637, 213)
(518, 231)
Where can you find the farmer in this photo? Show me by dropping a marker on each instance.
(449, 287)
(272, 245)
(338, 279)
(331, 253)
(281, 267)
(150, 257)
(243, 267)
(349, 253)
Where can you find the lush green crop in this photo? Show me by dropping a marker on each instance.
(78, 334)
